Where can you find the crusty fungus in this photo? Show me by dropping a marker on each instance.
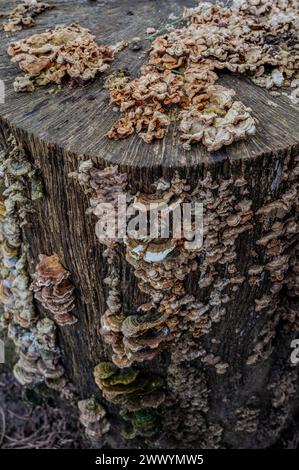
(255, 37)
(54, 290)
(23, 16)
(63, 53)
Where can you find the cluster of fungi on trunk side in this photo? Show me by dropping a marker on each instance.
(174, 319)
(34, 337)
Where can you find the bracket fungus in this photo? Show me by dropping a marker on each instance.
(93, 418)
(253, 37)
(16, 174)
(63, 53)
(138, 394)
(131, 389)
(54, 290)
(23, 16)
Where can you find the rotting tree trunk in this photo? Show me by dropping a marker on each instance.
(251, 316)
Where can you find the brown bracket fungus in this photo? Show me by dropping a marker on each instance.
(93, 418)
(54, 290)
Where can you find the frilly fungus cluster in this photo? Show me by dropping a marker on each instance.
(107, 185)
(64, 53)
(137, 393)
(189, 391)
(93, 418)
(279, 246)
(39, 356)
(171, 313)
(253, 37)
(247, 419)
(160, 265)
(35, 339)
(23, 15)
(16, 173)
(283, 389)
(54, 290)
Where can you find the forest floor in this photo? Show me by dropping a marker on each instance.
(28, 422)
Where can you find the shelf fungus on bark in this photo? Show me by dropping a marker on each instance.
(23, 16)
(130, 388)
(182, 70)
(138, 394)
(54, 290)
(189, 395)
(93, 418)
(161, 266)
(40, 358)
(67, 52)
(247, 419)
(16, 175)
(106, 187)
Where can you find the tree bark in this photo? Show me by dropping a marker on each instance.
(229, 383)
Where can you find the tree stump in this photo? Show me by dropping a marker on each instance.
(228, 378)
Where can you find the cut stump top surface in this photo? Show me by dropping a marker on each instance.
(78, 119)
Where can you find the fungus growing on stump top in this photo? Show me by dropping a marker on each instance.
(181, 72)
(23, 15)
(65, 52)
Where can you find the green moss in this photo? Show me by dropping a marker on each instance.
(123, 376)
(144, 423)
(104, 370)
